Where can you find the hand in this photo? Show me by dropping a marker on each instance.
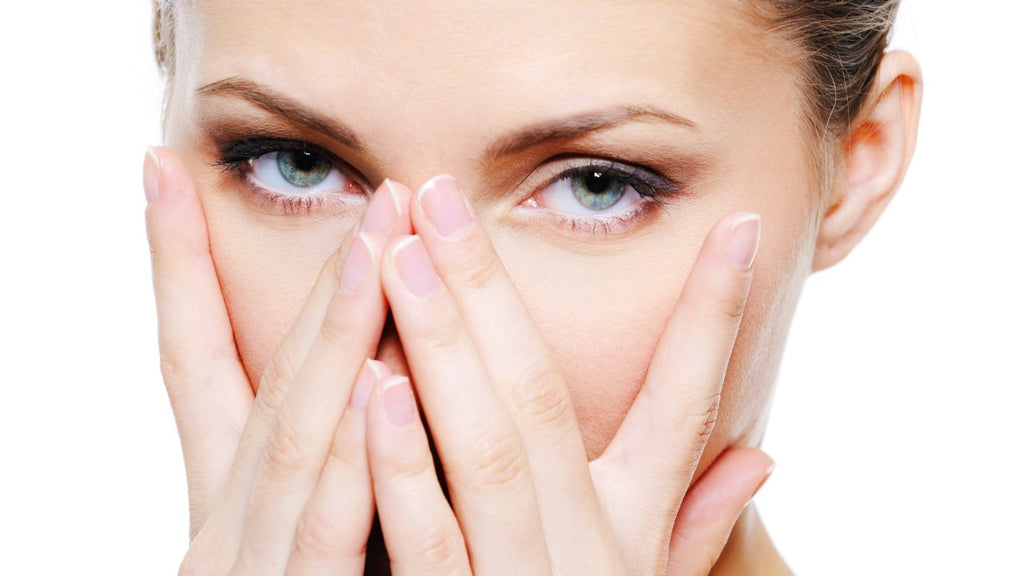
(524, 499)
(278, 480)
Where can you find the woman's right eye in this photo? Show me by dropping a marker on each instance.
(292, 176)
(296, 173)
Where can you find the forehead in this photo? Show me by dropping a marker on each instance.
(476, 65)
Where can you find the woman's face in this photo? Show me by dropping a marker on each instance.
(687, 108)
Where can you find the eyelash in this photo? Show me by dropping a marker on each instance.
(653, 187)
(236, 157)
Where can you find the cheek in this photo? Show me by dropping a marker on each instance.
(266, 268)
(602, 314)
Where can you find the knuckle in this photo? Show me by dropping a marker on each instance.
(315, 536)
(444, 332)
(705, 421)
(177, 368)
(731, 309)
(411, 466)
(438, 546)
(286, 449)
(275, 381)
(478, 269)
(337, 328)
(543, 398)
(497, 460)
(346, 451)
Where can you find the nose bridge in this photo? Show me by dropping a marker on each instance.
(424, 127)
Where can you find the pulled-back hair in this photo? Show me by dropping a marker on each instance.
(839, 44)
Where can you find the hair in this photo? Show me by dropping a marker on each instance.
(839, 44)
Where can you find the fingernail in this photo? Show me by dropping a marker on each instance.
(445, 207)
(382, 213)
(357, 265)
(743, 243)
(414, 267)
(151, 175)
(369, 374)
(767, 474)
(399, 404)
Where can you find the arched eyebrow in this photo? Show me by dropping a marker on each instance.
(281, 105)
(548, 131)
(578, 125)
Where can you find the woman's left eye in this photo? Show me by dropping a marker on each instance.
(296, 173)
(591, 191)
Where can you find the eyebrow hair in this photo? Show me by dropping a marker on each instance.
(543, 132)
(282, 105)
(579, 125)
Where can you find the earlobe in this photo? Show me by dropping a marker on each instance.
(876, 155)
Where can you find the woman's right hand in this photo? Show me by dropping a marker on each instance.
(278, 480)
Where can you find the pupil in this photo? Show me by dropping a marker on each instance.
(597, 182)
(305, 160)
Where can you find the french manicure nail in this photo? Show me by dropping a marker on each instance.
(445, 207)
(415, 268)
(743, 242)
(767, 474)
(399, 404)
(382, 213)
(357, 265)
(151, 175)
(369, 374)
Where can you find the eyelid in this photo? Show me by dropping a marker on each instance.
(647, 181)
(653, 188)
(247, 149)
(238, 156)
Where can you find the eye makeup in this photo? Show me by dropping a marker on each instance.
(587, 187)
(291, 176)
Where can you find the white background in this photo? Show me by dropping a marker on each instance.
(897, 425)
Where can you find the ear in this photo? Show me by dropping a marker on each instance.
(876, 155)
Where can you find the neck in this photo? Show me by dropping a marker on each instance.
(750, 550)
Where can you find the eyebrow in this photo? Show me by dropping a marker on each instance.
(544, 132)
(283, 106)
(579, 125)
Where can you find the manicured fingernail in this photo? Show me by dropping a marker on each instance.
(357, 265)
(399, 404)
(445, 207)
(415, 268)
(369, 374)
(382, 213)
(767, 474)
(746, 235)
(151, 175)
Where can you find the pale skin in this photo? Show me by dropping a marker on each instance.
(576, 372)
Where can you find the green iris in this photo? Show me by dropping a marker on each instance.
(598, 190)
(303, 168)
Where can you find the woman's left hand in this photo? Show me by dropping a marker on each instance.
(524, 498)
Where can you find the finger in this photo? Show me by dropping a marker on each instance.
(678, 402)
(383, 218)
(205, 380)
(480, 448)
(335, 524)
(420, 530)
(711, 508)
(297, 444)
(522, 368)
